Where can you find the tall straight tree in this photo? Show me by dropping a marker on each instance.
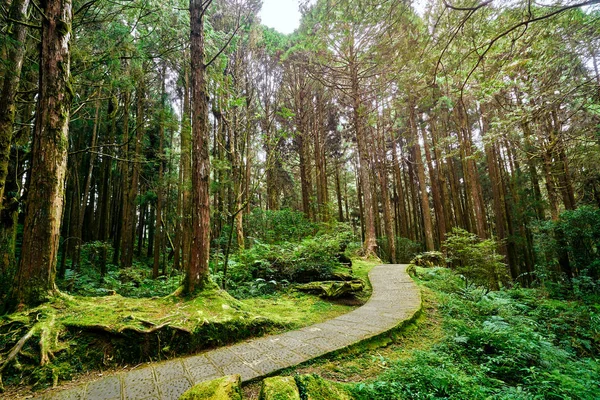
(18, 33)
(197, 269)
(35, 279)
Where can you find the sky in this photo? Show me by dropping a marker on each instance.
(282, 15)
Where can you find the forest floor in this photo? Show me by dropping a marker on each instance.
(81, 338)
(472, 344)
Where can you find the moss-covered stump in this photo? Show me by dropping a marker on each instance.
(313, 387)
(333, 289)
(226, 388)
(279, 388)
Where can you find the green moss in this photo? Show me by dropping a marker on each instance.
(225, 388)
(63, 28)
(313, 387)
(279, 388)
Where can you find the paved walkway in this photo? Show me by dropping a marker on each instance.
(395, 299)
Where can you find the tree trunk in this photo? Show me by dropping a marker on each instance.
(158, 238)
(197, 273)
(18, 12)
(35, 278)
(186, 174)
(388, 223)
(131, 187)
(370, 240)
(403, 217)
(470, 173)
(427, 223)
(438, 204)
(86, 187)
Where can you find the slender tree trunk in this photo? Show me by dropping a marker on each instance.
(35, 278)
(370, 239)
(130, 194)
(122, 186)
(17, 34)
(105, 198)
(427, 222)
(338, 191)
(470, 173)
(86, 187)
(403, 223)
(438, 204)
(158, 235)
(186, 174)
(388, 223)
(141, 228)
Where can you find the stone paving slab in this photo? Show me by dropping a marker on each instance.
(395, 299)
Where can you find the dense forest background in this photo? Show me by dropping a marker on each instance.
(155, 152)
(395, 127)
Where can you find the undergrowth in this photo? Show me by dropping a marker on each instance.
(509, 344)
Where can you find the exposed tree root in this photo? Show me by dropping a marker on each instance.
(12, 354)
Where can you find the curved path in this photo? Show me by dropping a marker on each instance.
(395, 299)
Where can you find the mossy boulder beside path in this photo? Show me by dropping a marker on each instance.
(226, 388)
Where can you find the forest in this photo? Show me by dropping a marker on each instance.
(176, 176)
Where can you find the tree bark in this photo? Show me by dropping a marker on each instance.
(158, 235)
(35, 278)
(424, 196)
(18, 12)
(131, 187)
(197, 271)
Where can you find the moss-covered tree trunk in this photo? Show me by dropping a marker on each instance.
(34, 281)
(18, 12)
(197, 269)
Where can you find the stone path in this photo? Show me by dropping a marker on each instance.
(395, 299)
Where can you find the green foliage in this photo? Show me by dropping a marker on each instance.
(406, 249)
(430, 259)
(279, 226)
(510, 344)
(136, 281)
(265, 267)
(476, 260)
(577, 233)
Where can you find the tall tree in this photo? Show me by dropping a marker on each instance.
(35, 279)
(197, 270)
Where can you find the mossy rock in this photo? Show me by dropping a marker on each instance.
(279, 388)
(313, 387)
(333, 289)
(226, 388)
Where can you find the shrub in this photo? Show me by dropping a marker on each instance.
(273, 227)
(309, 260)
(430, 259)
(476, 260)
(406, 249)
(570, 247)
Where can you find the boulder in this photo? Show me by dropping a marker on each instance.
(279, 388)
(225, 388)
(332, 289)
(313, 387)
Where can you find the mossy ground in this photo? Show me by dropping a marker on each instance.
(83, 334)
